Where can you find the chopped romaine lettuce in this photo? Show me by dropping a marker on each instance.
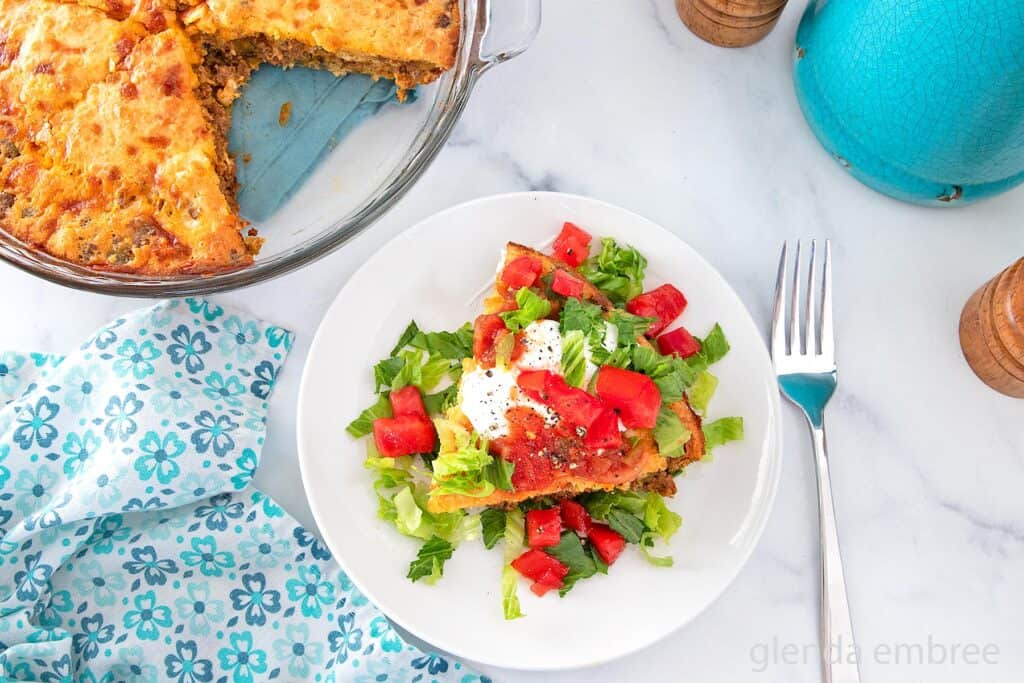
(721, 431)
(407, 336)
(574, 359)
(617, 271)
(515, 530)
(531, 307)
(659, 519)
(438, 403)
(646, 543)
(429, 562)
(363, 425)
(670, 433)
(702, 390)
(580, 315)
(570, 552)
(451, 345)
(492, 522)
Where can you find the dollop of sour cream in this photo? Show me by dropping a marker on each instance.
(487, 394)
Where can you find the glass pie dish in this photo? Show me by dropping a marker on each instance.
(361, 178)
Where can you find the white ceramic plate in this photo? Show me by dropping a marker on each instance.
(435, 273)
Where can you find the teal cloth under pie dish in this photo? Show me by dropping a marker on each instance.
(133, 546)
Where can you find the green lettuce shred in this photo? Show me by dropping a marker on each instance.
(702, 390)
(429, 562)
(670, 433)
(515, 531)
(531, 307)
(363, 425)
(722, 431)
(574, 358)
(618, 271)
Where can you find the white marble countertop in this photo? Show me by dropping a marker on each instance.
(618, 101)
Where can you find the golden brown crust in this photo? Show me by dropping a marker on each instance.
(113, 147)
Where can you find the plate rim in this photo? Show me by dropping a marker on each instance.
(773, 424)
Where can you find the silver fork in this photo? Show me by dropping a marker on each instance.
(806, 369)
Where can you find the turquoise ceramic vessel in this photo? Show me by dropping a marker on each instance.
(920, 99)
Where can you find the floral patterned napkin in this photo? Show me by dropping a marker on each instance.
(132, 545)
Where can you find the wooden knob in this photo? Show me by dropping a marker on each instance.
(992, 331)
(730, 23)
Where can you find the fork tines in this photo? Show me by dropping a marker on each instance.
(817, 336)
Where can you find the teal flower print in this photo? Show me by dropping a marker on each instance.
(173, 397)
(246, 464)
(195, 486)
(187, 349)
(93, 634)
(106, 335)
(106, 532)
(227, 389)
(10, 381)
(103, 587)
(159, 458)
(205, 555)
(254, 599)
(104, 491)
(381, 670)
(60, 672)
(185, 665)
(297, 650)
(50, 613)
(356, 598)
(263, 549)
(34, 489)
(209, 311)
(433, 663)
(219, 511)
(311, 591)
(33, 579)
(121, 426)
(148, 617)
(133, 665)
(381, 628)
(199, 609)
(35, 424)
(144, 561)
(213, 432)
(239, 339)
(347, 638)
(278, 336)
(5, 473)
(79, 448)
(135, 359)
(242, 659)
(49, 516)
(81, 386)
(266, 378)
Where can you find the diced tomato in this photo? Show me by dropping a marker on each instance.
(486, 329)
(678, 342)
(407, 401)
(575, 406)
(604, 431)
(531, 472)
(608, 543)
(537, 565)
(664, 304)
(572, 246)
(543, 527)
(548, 581)
(575, 517)
(521, 272)
(567, 285)
(633, 394)
(532, 383)
(398, 436)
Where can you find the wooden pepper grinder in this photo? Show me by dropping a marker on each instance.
(992, 331)
(730, 23)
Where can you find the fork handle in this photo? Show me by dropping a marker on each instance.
(838, 651)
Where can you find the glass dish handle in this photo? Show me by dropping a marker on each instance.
(502, 30)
